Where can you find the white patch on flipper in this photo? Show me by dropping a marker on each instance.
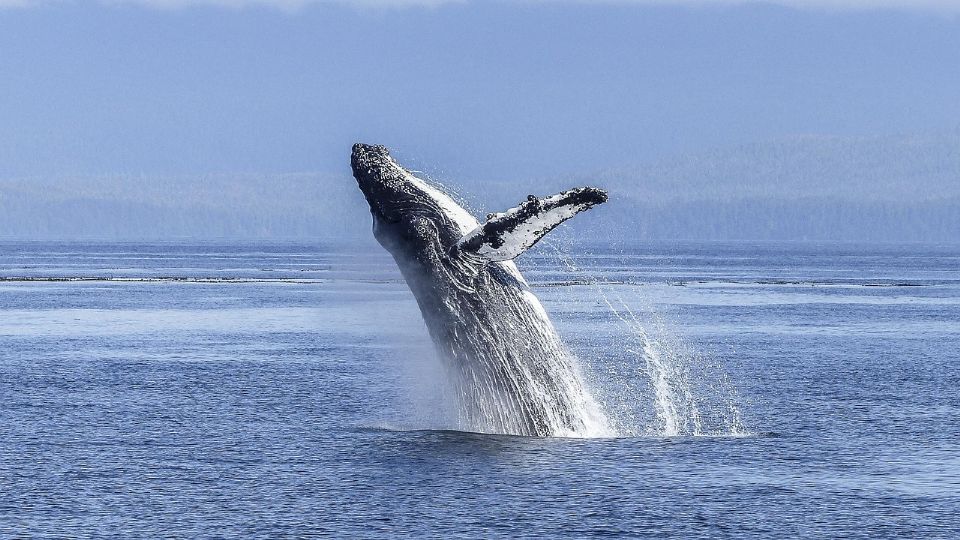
(527, 232)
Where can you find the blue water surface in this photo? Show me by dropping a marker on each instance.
(290, 390)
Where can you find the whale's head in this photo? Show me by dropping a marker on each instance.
(433, 237)
(410, 217)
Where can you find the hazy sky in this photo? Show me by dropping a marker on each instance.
(469, 89)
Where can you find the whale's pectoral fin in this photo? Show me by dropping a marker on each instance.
(504, 236)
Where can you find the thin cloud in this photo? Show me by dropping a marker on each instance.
(286, 5)
(293, 5)
(833, 5)
(857, 5)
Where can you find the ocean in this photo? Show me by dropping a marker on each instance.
(275, 390)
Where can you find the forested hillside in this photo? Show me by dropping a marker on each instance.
(806, 188)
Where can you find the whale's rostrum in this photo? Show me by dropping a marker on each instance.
(512, 372)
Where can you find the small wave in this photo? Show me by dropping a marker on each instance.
(774, 282)
(581, 282)
(445, 432)
(540, 284)
(384, 428)
(157, 279)
(814, 283)
(844, 283)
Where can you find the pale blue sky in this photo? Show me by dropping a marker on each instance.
(468, 89)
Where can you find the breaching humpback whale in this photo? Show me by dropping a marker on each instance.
(513, 374)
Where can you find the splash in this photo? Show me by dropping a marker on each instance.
(661, 386)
